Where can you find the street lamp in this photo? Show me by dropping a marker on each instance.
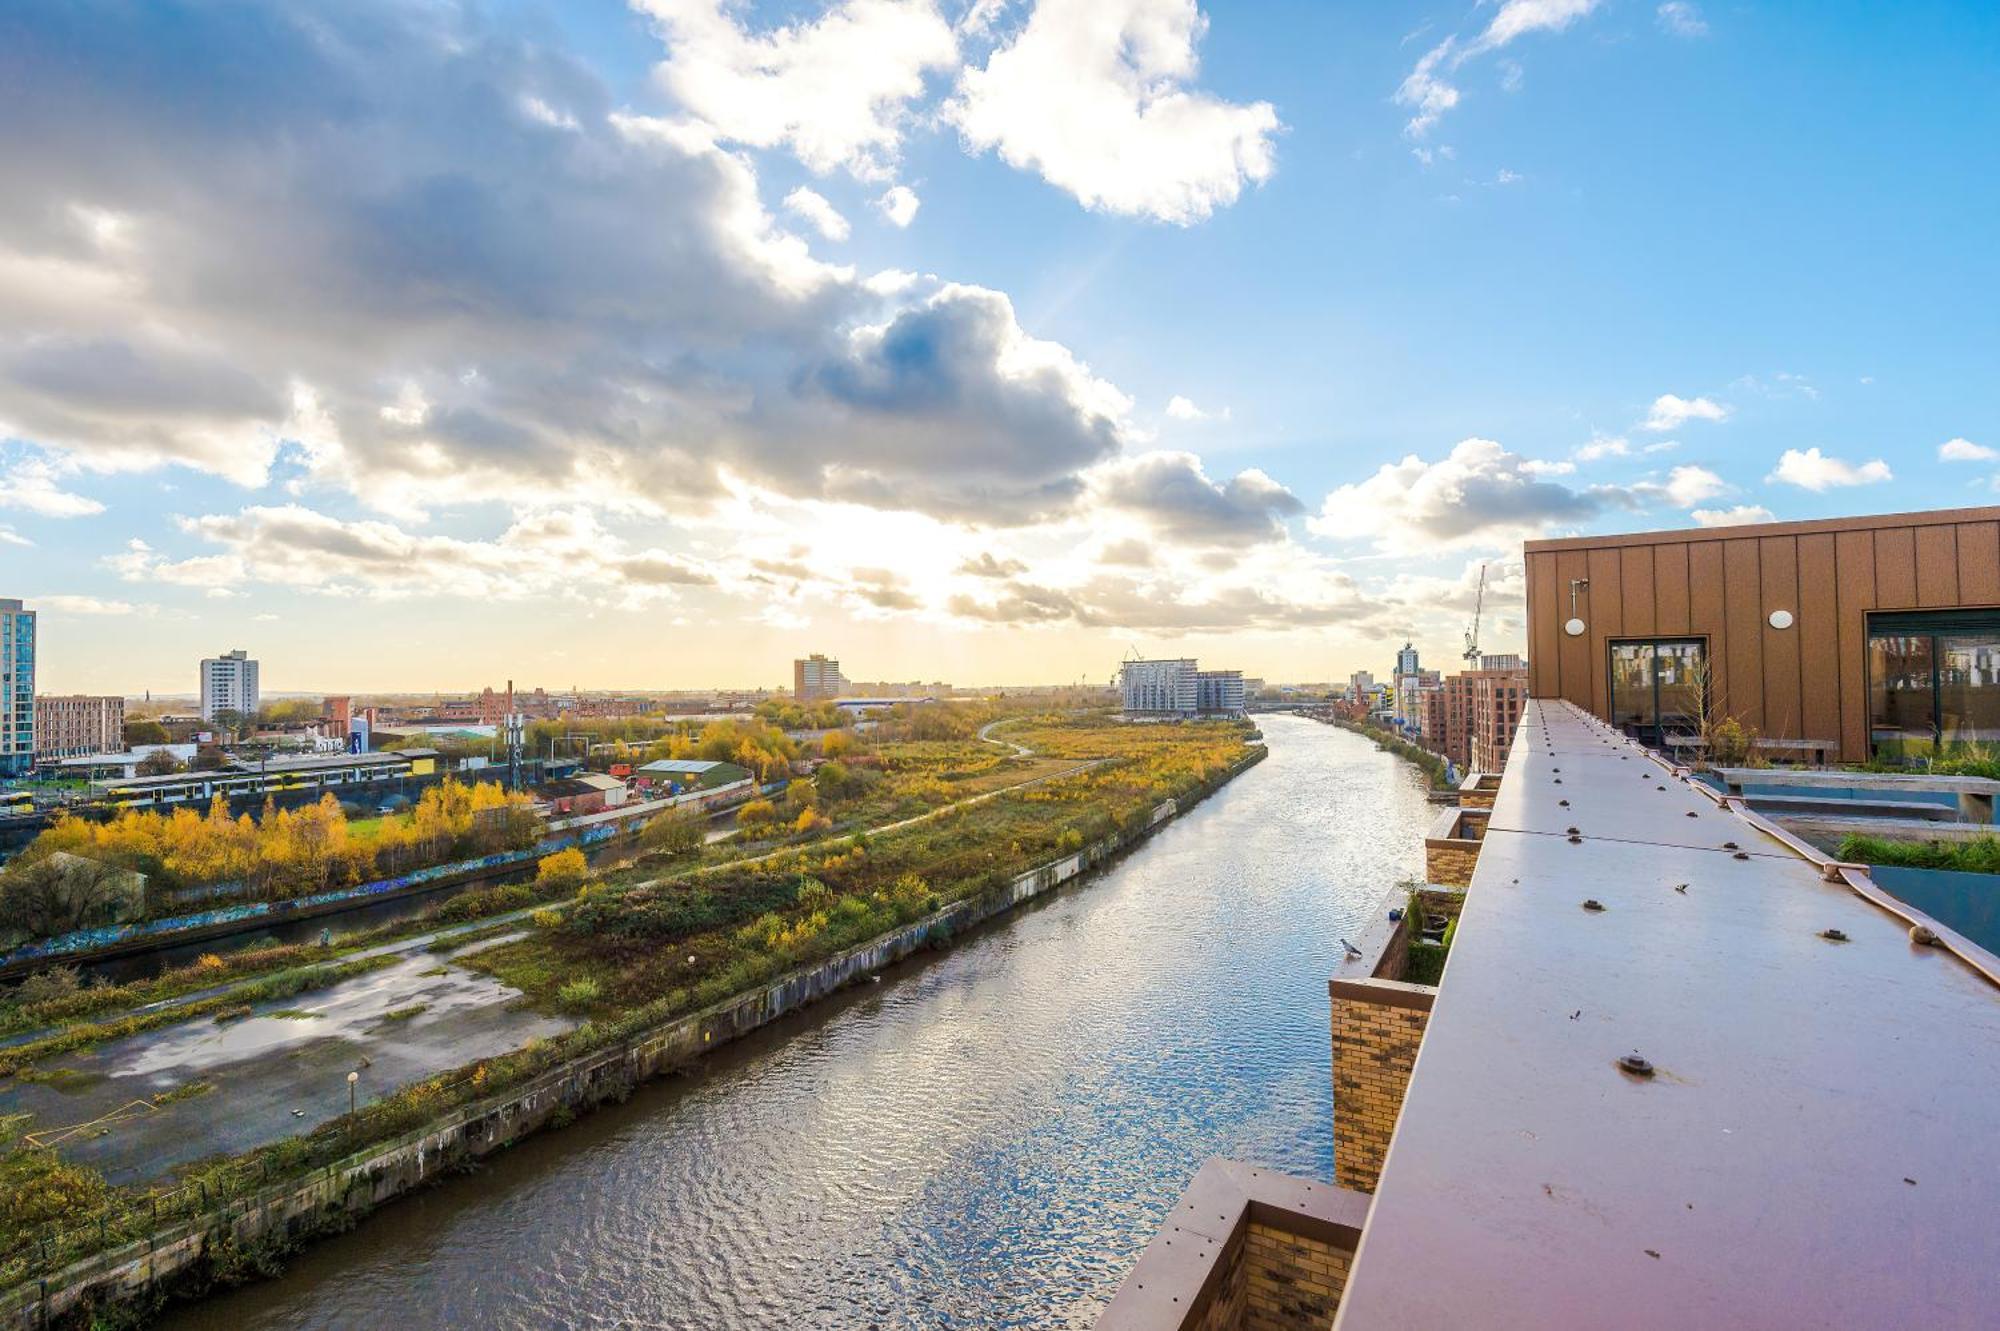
(352, 1078)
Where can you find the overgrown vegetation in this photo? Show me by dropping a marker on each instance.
(1980, 855)
(1433, 765)
(281, 854)
(629, 955)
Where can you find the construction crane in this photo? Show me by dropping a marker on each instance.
(1478, 605)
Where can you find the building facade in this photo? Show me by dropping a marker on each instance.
(229, 684)
(1159, 688)
(816, 677)
(17, 688)
(1874, 636)
(72, 725)
(1220, 692)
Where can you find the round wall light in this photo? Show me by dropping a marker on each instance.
(1781, 619)
(1575, 628)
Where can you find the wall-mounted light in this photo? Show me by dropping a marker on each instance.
(1781, 619)
(1575, 626)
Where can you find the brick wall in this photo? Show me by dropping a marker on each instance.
(1450, 861)
(1292, 1282)
(1374, 1047)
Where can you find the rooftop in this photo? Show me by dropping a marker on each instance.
(1819, 1135)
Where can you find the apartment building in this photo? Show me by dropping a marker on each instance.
(17, 688)
(1165, 687)
(229, 684)
(815, 677)
(75, 725)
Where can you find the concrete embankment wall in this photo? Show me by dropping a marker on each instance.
(300, 1208)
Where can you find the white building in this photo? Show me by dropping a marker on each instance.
(1178, 687)
(1219, 692)
(229, 684)
(1159, 688)
(17, 688)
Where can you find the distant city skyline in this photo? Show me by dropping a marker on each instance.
(1050, 331)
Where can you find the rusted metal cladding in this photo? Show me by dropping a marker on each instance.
(1808, 680)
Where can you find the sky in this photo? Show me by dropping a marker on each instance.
(419, 346)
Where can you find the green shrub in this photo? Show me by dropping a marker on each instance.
(579, 993)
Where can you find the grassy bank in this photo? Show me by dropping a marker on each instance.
(1433, 766)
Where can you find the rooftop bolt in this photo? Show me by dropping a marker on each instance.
(1833, 935)
(1635, 1065)
(1593, 904)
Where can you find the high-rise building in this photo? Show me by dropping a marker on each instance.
(1160, 688)
(1219, 692)
(74, 725)
(229, 684)
(1406, 661)
(1178, 687)
(815, 677)
(17, 688)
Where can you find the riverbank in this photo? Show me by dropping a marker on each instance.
(189, 1237)
(1433, 766)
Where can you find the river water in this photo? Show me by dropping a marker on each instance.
(987, 1138)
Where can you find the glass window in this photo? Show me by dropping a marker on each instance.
(1933, 680)
(1657, 686)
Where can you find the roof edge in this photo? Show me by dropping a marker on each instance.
(1927, 518)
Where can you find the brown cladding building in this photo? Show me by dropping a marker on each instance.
(1875, 634)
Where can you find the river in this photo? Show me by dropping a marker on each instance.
(987, 1138)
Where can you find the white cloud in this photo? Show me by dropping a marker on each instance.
(1544, 467)
(8, 536)
(1739, 516)
(1670, 412)
(1428, 91)
(1184, 409)
(1478, 495)
(1687, 486)
(1964, 450)
(1172, 493)
(836, 91)
(83, 605)
(814, 208)
(899, 203)
(1813, 470)
(1096, 96)
(34, 485)
(1603, 447)
(1681, 19)
(1506, 177)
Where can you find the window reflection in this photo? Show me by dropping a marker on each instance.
(1657, 687)
(1933, 681)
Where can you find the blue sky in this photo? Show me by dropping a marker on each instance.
(420, 346)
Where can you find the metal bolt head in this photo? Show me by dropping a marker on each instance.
(1635, 1065)
(1833, 935)
(1593, 904)
(1923, 936)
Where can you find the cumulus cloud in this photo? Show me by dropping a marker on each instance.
(1739, 516)
(836, 91)
(1671, 411)
(1679, 18)
(1428, 89)
(1687, 486)
(899, 204)
(1478, 494)
(641, 335)
(1964, 450)
(1113, 601)
(1810, 469)
(1183, 409)
(814, 208)
(35, 485)
(1601, 447)
(1172, 493)
(1097, 96)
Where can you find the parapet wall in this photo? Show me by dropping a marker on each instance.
(1377, 1026)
